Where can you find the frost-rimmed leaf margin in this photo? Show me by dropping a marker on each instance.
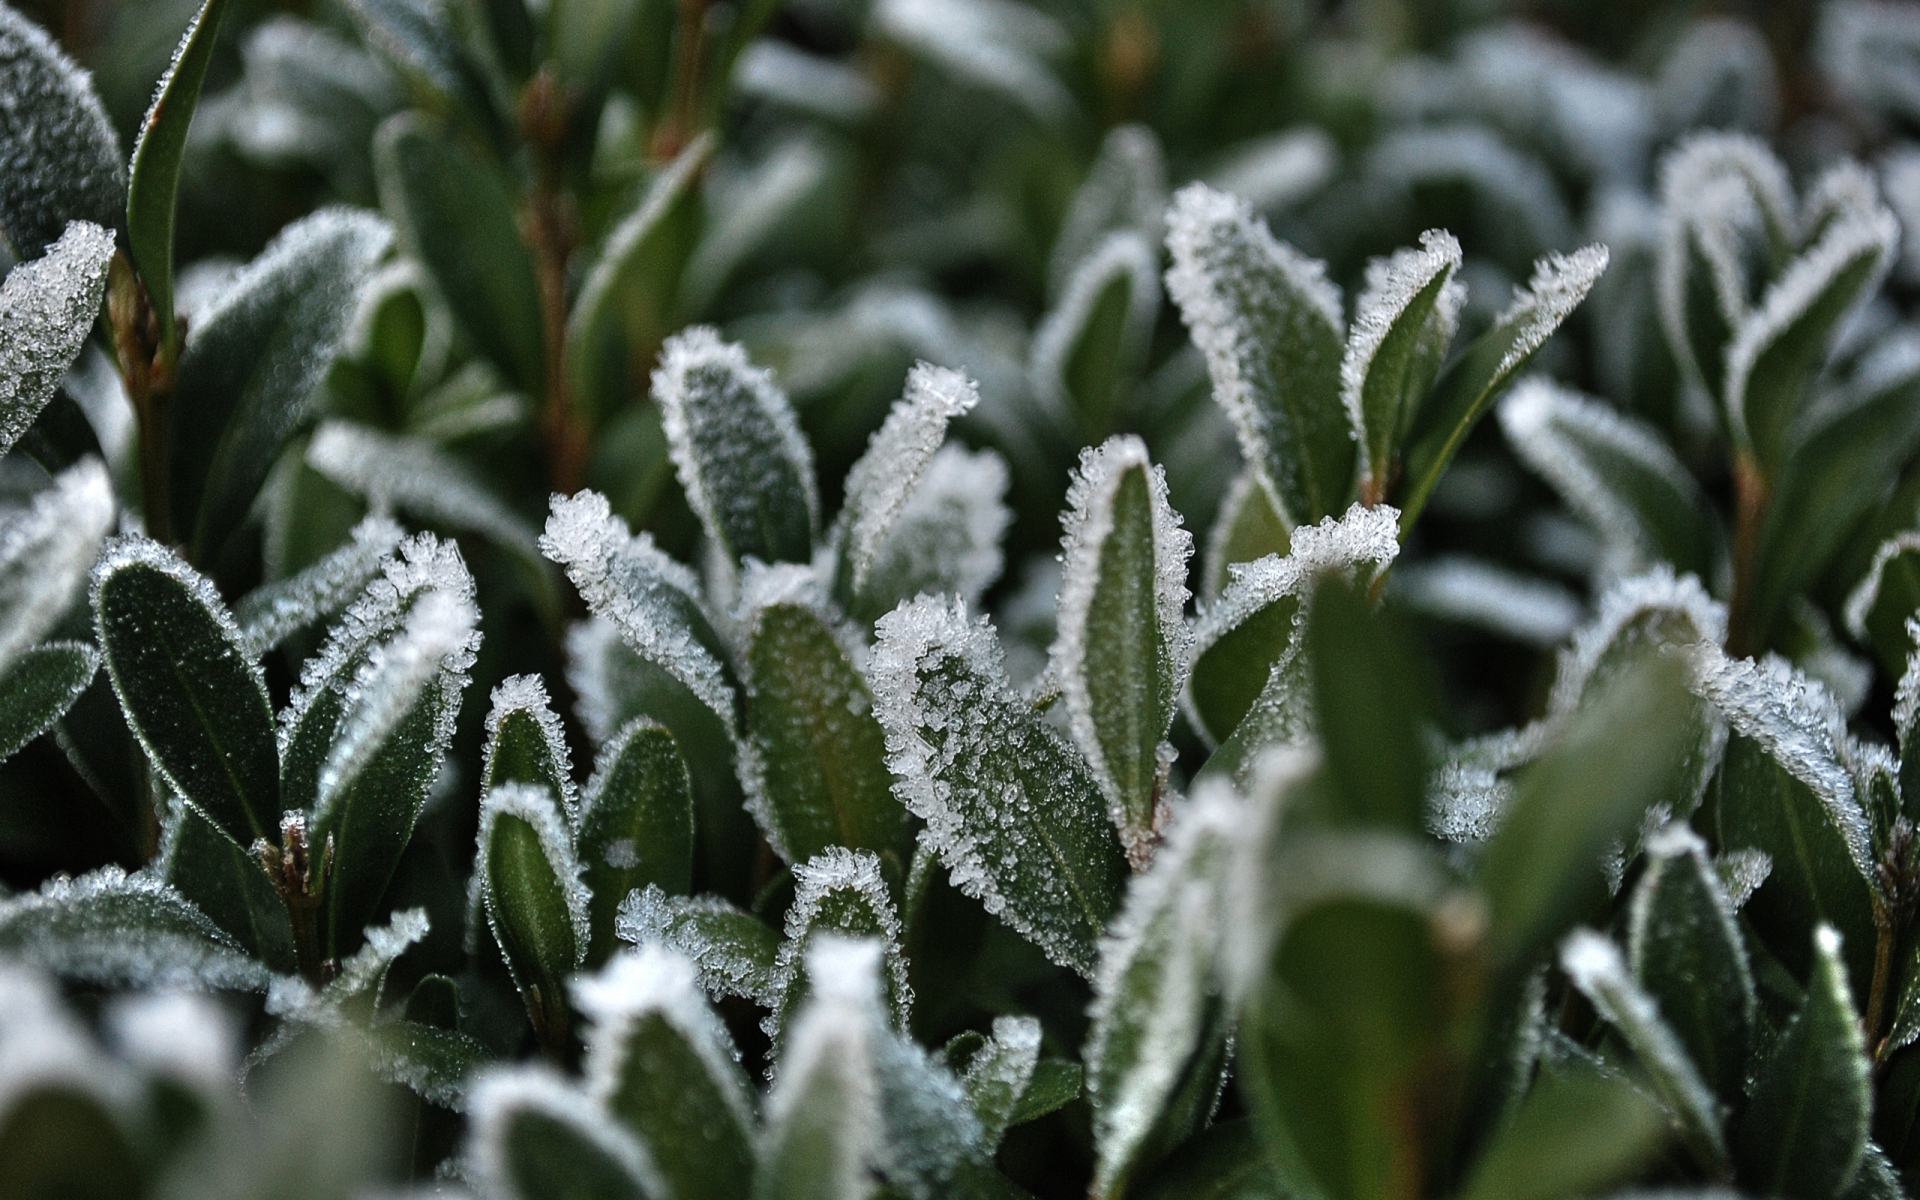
(1393, 286)
(181, 948)
(47, 308)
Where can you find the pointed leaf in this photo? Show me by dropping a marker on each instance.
(1089, 348)
(841, 893)
(1269, 324)
(219, 877)
(154, 175)
(39, 688)
(526, 744)
(273, 612)
(946, 539)
(1014, 812)
(63, 159)
(192, 695)
(47, 308)
(1805, 1128)
(734, 951)
(1225, 1161)
(112, 929)
(533, 1136)
(1125, 190)
(1403, 324)
(1578, 1131)
(1247, 529)
(1478, 376)
(1879, 606)
(45, 553)
(1000, 1074)
(636, 824)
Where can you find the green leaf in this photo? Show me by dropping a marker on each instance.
(588, 39)
(192, 695)
(819, 776)
(733, 950)
(1013, 810)
(534, 900)
(1088, 350)
(946, 538)
(1121, 652)
(525, 742)
(1403, 324)
(737, 446)
(1595, 967)
(154, 175)
(273, 612)
(1805, 1128)
(625, 307)
(660, 1061)
(47, 308)
(39, 688)
(1222, 1162)
(1247, 529)
(1057, 1082)
(1371, 707)
(636, 824)
(457, 217)
(60, 1137)
(220, 878)
(254, 362)
(1478, 376)
(112, 929)
(1878, 608)
(1778, 347)
(839, 893)
(1618, 755)
(1687, 953)
(1269, 324)
(534, 1137)
(418, 38)
(1579, 1131)
(436, 1063)
(1619, 474)
(1000, 1073)
(63, 158)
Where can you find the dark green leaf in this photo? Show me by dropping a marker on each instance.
(196, 700)
(1805, 1128)
(999, 1072)
(1403, 324)
(525, 743)
(1248, 528)
(843, 893)
(39, 688)
(434, 1062)
(734, 951)
(118, 930)
(1579, 1131)
(63, 160)
(1088, 350)
(535, 902)
(1248, 630)
(220, 878)
(457, 217)
(636, 823)
(1057, 1082)
(1223, 1162)
(1878, 609)
(1370, 707)
(154, 175)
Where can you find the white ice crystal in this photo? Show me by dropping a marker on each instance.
(528, 694)
(697, 928)
(1558, 285)
(1392, 283)
(271, 613)
(501, 1095)
(47, 308)
(883, 481)
(654, 983)
(45, 552)
(1742, 872)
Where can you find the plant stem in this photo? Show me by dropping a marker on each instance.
(543, 121)
(676, 129)
(1883, 946)
(147, 369)
(1752, 496)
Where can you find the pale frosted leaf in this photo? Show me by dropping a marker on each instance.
(538, 809)
(931, 1130)
(531, 1132)
(823, 1124)
(47, 305)
(1527, 608)
(1719, 75)
(525, 743)
(1125, 189)
(1741, 873)
(999, 1074)
(45, 552)
(1279, 170)
(1866, 51)
(1001, 45)
(1125, 259)
(417, 477)
(272, 612)
(839, 891)
(63, 160)
(777, 71)
(1512, 194)
(946, 539)
(746, 211)
(1866, 594)
(117, 930)
(732, 950)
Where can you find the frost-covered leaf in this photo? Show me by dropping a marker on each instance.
(636, 824)
(840, 892)
(1595, 967)
(1805, 1128)
(1719, 75)
(780, 73)
(527, 876)
(273, 612)
(627, 300)
(1247, 529)
(1785, 791)
(661, 1063)
(946, 540)
(1270, 326)
(39, 687)
(884, 481)
(45, 552)
(1877, 609)
(1276, 171)
(742, 461)
(748, 210)
(191, 693)
(1579, 1130)
(1125, 190)
(1866, 51)
(1510, 195)
(112, 929)
(1122, 649)
(47, 306)
(734, 951)
(535, 1136)
(1089, 347)
(63, 158)
(1482, 371)
(219, 877)
(457, 216)
(1015, 814)
(1000, 1074)
(1001, 45)
(526, 744)
(253, 365)
(1403, 324)
(1686, 951)
(1252, 627)
(1156, 1004)
(823, 1126)
(1618, 474)
(818, 775)
(932, 1140)
(153, 181)
(1517, 605)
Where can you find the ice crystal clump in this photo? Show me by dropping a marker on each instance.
(268, 615)
(59, 157)
(47, 308)
(45, 552)
(883, 482)
(695, 927)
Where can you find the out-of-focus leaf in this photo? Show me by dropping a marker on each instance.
(63, 159)
(1878, 608)
(418, 37)
(39, 688)
(59, 1137)
(1222, 1162)
(1370, 707)
(535, 1137)
(112, 929)
(1579, 1131)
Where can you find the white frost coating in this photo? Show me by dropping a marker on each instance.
(1126, 188)
(1742, 872)
(436, 649)
(1665, 849)
(651, 917)
(700, 350)
(1220, 247)
(1359, 535)
(883, 481)
(537, 807)
(654, 982)
(41, 1042)
(1472, 591)
(414, 475)
(1087, 525)
(114, 929)
(1848, 237)
(1906, 697)
(947, 537)
(590, 673)
(361, 977)
(648, 597)
(1559, 283)
(178, 1034)
(1157, 970)
(1537, 417)
(47, 308)
(499, 1094)
(1465, 801)
(838, 873)
(998, 44)
(829, 1060)
(1798, 723)
(1392, 283)
(528, 694)
(1125, 254)
(1845, 188)
(1280, 170)
(272, 612)
(45, 552)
